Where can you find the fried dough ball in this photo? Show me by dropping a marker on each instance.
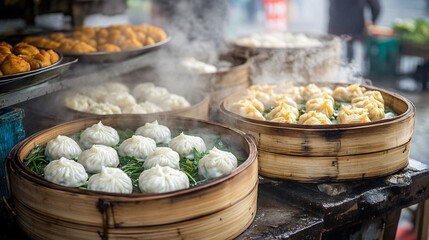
(141, 37)
(101, 41)
(131, 44)
(56, 36)
(149, 41)
(24, 48)
(82, 47)
(46, 43)
(129, 33)
(157, 34)
(5, 44)
(53, 56)
(13, 64)
(102, 33)
(5, 50)
(67, 46)
(3, 56)
(108, 48)
(37, 61)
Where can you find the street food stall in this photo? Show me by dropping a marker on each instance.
(129, 133)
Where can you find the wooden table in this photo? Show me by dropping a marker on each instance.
(367, 209)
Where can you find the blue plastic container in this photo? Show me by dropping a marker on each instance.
(11, 132)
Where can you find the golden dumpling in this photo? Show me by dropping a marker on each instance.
(374, 107)
(314, 118)
(325, 106)
(349, 114)
(283, 110)
(282, 98)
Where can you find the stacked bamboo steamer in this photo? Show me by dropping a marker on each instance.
(337, 152)
(209, 211)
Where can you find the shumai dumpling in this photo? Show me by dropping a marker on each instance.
(310, 90)
(261, 88)
(296, 93)
(159, 133)
(346, 94)
(256, 103)
(375, 94)
(162, 179)
(137, 146)
(268, 99)
(283, 110)
(62, 146)
(112, 180)
(282, 98)
(245, 108)
(325, 106)
(349, 114)
(216, 163)
(183, 144)
(98, 156)
(375, 108)
(99, 134)
(162, 156)
(314, 118)
(65, 172)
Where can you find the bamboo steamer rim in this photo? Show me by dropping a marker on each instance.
(205, 99)
(17, 164)
(267, 124)
(325, 39)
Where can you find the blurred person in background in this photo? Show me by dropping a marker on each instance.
(347, 17)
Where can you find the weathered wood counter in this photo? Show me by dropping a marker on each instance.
(286, 210)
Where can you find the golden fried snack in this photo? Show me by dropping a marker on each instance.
(5, 44)
(13, 64)
(5, 50)
(1, 73)
(24, 48)
(101, 41)
(53, 56)
(56, 36)
(129, 33)
(131, 44)
(46, 43)
(102, 33)
(3, 56)
(82, 47)
(149, 41)
(108, 48)
(37, 61)
(141, 37)
(157, 34)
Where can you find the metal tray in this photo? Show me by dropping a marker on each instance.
(30, 79)
(105, 57)
(6, 78)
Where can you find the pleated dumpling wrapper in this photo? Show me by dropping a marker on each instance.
(137, 146)
(183, 144)
(112, 180)
(159, 133)
(99, 134)
(65, 172)
(98, 156)
(62, 146)
(162, 179)
(162, 156)
(216, 163)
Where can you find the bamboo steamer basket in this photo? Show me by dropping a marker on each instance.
(303, 63)
(209, 211)
(226, 82)
(330, 153)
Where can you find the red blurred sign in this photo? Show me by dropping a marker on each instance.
(275, 15)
